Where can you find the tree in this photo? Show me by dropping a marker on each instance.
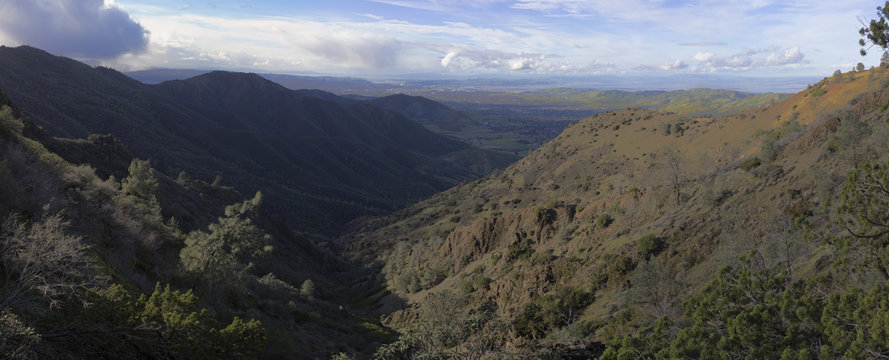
(170, 321)
(769, 147)
(850, 135)
(446, 330)
(884, 60)
(859, 67)
(219, 256)
(41, 258)
(876, 33)
(308, 288)
(865, 199)
(141, 182)
(673, 166)
(838, 75)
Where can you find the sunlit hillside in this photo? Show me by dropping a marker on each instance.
(580, 226)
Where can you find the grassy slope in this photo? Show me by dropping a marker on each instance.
(613, 163)
(684, 102)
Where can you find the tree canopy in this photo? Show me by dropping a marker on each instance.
(876, 33)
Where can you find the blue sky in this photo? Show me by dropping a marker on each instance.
(461, 38)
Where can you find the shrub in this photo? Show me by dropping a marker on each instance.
(481, 283)
(308, 288)
(545, 216)
(649, 245)
(16, 338)
(520, 250)
(750, 163)
(192, 332)
(604, 220)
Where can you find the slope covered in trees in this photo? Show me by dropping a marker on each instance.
(93, 268)
(320, 163)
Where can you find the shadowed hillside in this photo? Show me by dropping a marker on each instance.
(116, 268)
(321, 163)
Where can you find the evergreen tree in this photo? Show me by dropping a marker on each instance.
(141, 182)
(223, 254)
(876, 33)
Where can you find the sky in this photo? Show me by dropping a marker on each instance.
(451, 38)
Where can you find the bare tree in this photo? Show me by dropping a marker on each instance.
(673, 166)
(42, 258)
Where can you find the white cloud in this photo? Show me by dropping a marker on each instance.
(528, 36)
(750, 58)
(675, 65)
(702, 56)
(445, 61)
(522, 63)
(791, 56)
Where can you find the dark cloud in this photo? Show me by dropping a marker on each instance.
(79, 28)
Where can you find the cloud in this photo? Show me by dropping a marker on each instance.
(350, 49)
(702, 56)
(676, 65)
(445, 61)
(790, 56)
(522, 63)
(79, 28)
(494, 60)
(750, 58)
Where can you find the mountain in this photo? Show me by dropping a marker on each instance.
(427, 112)
(321, 163)
(156, 76)
(589, 245)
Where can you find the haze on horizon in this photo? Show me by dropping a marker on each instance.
(380, 39)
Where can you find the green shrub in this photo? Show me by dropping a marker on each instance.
(604, 220)
(481, 283)
(750, 163)
(545, 215)
(520, 250)
(188, 331)
(649, 245)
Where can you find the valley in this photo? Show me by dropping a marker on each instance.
(227, 215)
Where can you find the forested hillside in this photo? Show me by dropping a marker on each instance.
(146, 266)
(321, 163)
